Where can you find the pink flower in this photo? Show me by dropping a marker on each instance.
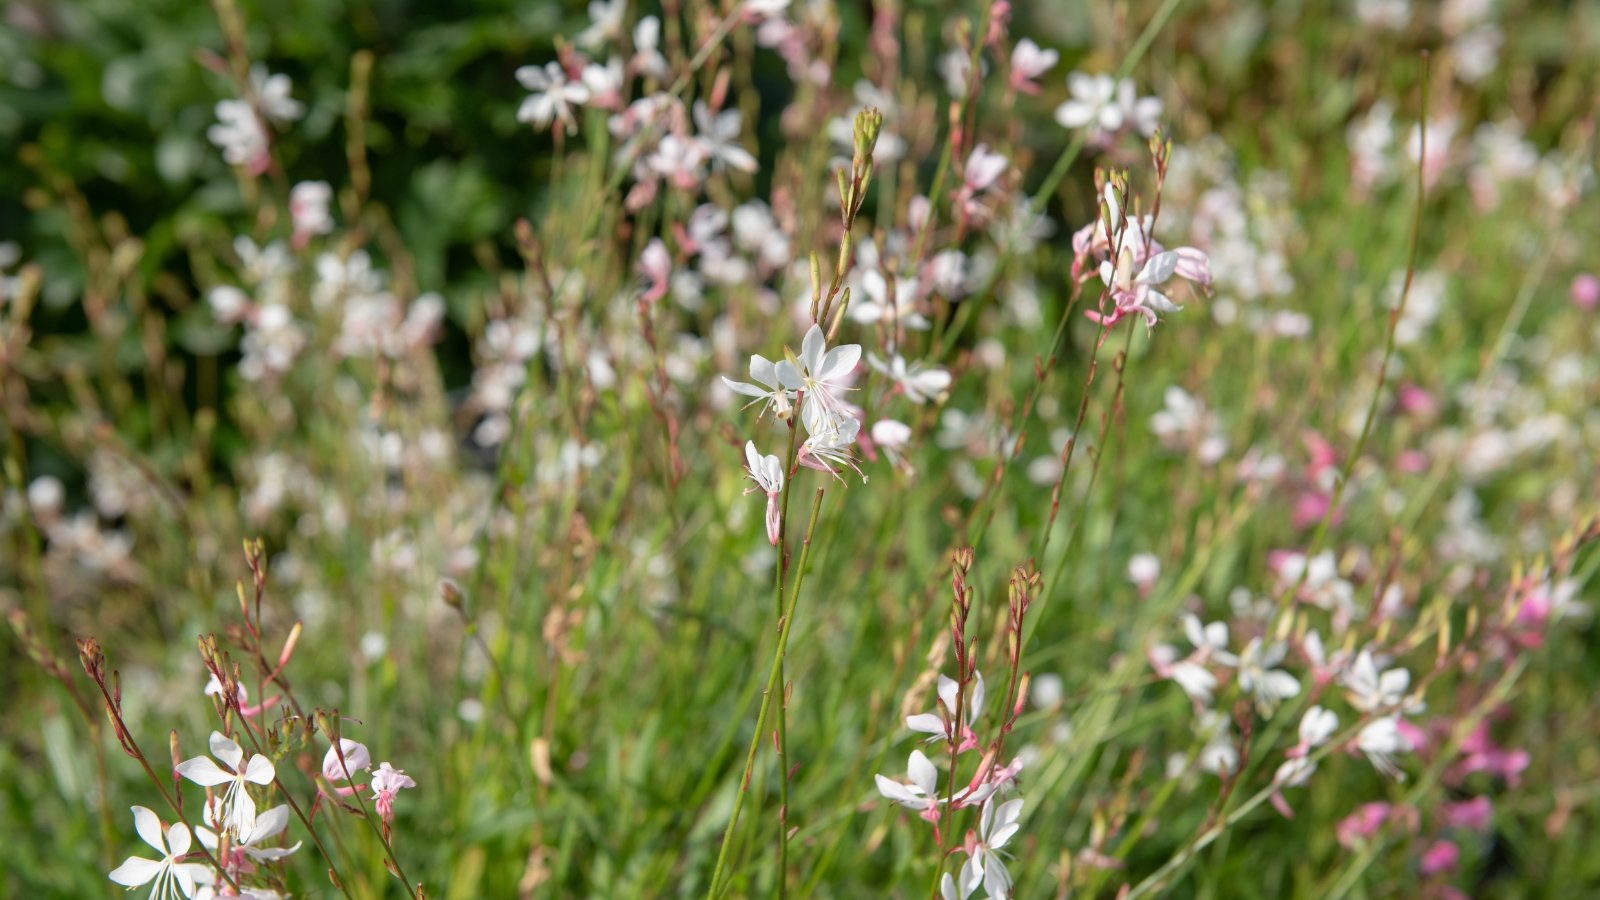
(1585, 291)
(1441, 856)
(1028, 62)
(1472, 815)
(386, 782)
(1362, 824)
(655, 264)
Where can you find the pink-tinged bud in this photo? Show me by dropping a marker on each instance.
(1586, 291)
(1472, 815)
(356, 759)
(773, 521)
(1441, 857)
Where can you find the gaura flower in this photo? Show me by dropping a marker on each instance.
(767, 473)
(831, 436)
(996, 826)
(167, 876)
(386, 783)
(823, 374)
(934, 723)
(768, 389)
(269, 825)
(552, 96)
(238, 816)
(356, 759)
(921, 794)
(917, 383)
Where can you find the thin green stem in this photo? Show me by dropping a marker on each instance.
(717, 873)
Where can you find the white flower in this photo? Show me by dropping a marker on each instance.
(1373, 691)
(308, 206)
(831, 435)
(1258, 675)
(1219, 756)
(768, 389)
(238, 133)
(922, 793)
(272, 92)
(170, 876)
(996, 827)
(1029, 61)
(1210, 640)
(269, 825)
(934, 724)
(823, 374)
(238, 810)
(1317, 726)
(917, 383)
(356, 758)
(1145, 568)
(1381, 740)
(604, 83)
(605, 18)
(552, 96)
(647, 58)
(719, 138)
(948, 891)
(1106, 105)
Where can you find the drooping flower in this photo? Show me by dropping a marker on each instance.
(997, 825)
(356, 759)
(167, 876)
(238, 816)
(767, 473)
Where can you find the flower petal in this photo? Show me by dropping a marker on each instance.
(135, 871)
(922, 773)
(226, 750)
(178, 839)
(260, 770)
(203, 771)
(149, 828)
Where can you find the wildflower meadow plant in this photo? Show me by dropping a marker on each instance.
(795, 448)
